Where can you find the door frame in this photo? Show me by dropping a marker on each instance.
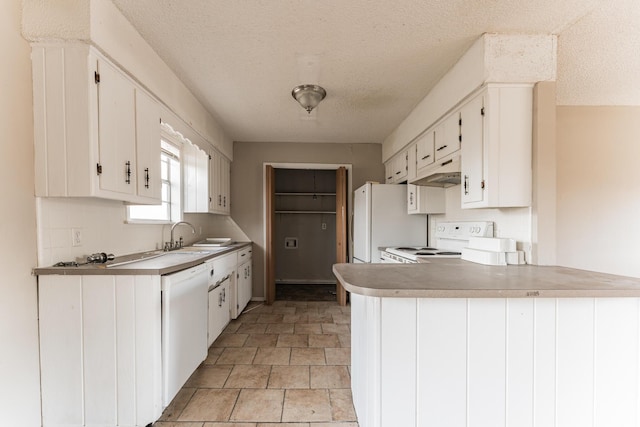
(316, 166)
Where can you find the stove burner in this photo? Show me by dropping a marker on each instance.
(449, 253)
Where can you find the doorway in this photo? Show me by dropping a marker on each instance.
(306, 231)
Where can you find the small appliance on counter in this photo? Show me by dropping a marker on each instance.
(97, 258)
(492, 251)
(451, 239)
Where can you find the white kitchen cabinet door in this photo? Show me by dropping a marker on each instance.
(447, 135)
(244, 285)
(244, 278)
(148, 147)
(220, 183)
(496, 167)
(195, 184)
(219, 313)
(472, 158)
(388, 171)
(116, 130)
(425, 150)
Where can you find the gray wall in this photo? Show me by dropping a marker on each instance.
(247, 181)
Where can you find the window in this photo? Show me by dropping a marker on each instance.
(170, 209)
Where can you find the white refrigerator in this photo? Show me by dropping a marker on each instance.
(380, 219)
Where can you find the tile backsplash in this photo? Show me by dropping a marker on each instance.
(100, 226)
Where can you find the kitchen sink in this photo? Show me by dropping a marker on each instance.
(200, 250)
(162, 260)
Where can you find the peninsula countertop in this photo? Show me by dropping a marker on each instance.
(145, 263)
(455, 278)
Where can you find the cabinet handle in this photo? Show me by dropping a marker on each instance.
(224, 294)
(442, 148)
(128, 172)
(225, 201)
(398, 173)
(389, 177)
(411, 197)
(219, 200)
(426, 157)
(146, 178)
(447, 162)
(466, 185)
(220, 299)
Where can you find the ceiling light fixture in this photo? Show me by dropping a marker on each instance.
(309, 96)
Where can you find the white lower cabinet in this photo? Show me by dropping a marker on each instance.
(219, 313)
(222, 288)
(244, 278)
(100, 350)
(495, 361)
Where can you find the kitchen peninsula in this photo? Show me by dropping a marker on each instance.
(455, 343)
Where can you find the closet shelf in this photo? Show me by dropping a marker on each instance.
(305, 194)
(306, 212)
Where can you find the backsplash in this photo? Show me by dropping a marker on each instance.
(513, 223)
(102, 228)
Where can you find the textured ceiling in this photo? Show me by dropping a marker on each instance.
(376, 58)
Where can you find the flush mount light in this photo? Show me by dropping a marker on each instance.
(309, 96)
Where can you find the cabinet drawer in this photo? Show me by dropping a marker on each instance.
(244, 254)
(224, 263)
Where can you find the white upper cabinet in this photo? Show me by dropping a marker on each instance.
(195, 166)
(448, 135)
(425, 200)
(425, 150)
(397, 168)
(147, 149)
(496, 147)
(219, 184)
(97, 133)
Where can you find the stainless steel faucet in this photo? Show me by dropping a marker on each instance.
(171, 245)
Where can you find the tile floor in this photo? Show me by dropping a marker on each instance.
(282, 365)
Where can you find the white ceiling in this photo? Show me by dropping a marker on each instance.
(376, 58)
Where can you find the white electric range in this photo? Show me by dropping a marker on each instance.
(451, 238)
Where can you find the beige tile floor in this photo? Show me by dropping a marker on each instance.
(282, 365)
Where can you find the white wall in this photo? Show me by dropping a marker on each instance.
(598, 96)
(19, 375)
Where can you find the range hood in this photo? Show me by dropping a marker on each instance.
(444, 174)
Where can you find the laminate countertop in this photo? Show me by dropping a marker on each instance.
(455, 278)
(147, 263)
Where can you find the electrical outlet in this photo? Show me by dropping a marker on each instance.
(324, 226)
(76, 237)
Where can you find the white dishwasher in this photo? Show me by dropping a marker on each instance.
(184, 327)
